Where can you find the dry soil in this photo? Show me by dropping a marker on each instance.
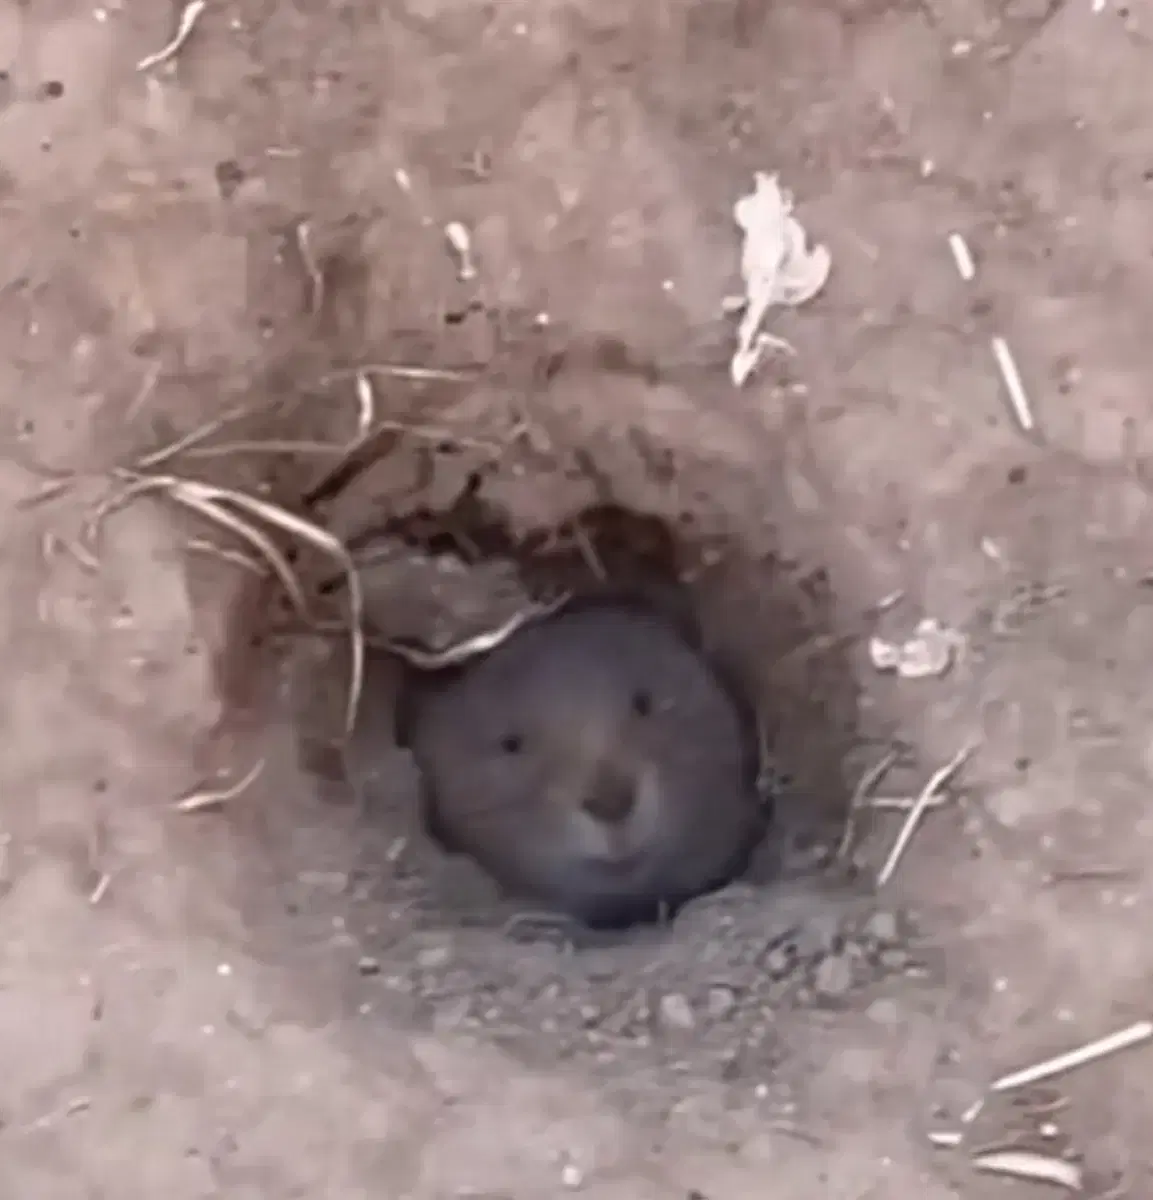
(293, 995)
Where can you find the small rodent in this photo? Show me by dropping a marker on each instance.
(594, 762)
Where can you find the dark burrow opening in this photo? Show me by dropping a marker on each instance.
(439, 943)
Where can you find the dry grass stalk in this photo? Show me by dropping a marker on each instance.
(216, 503)
(366, 405)
(860, 799)
(236, 558)
(311, 267)
(188, 18)
(45, 493)
(426, 659)
(1133, 1035)
(1028, 1164)
(937, 781)
(193, 438)
(267, 446)
(211, 797)
(413, 373)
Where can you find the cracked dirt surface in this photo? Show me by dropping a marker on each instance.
(294, 996)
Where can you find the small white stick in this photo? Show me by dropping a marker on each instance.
(962, 257)
(1141, 1031)
(188, 19)
(936, 782)
(366, 403)
(214, 796)
(461, 242)
(1026, 1164)
(1013, 385)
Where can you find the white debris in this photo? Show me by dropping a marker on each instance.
(460, 240)
(962, 257)
(1027, 1164)
(930, 652)
(188, 18)
(1011, 377)
(777, 266)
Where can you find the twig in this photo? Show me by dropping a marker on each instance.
(422, 374)
(271, 446)
(192, 492)
(188, 18)
(200, 434)
(220, 515)
(211, 797)
(44, 493)
(143, 392)
(902, 803)
(1084, 874)
(1028, 1164)
(426, 659)
(861, 794)
(236, 557)
(936, 782)
(461, 241)
(1140, 1031)
(366, 402)
(962, 257)
(311, 267)
(1011, 377)
(214, 502)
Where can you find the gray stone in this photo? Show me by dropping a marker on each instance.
(675, 1012)
(884, 1012)
(834, 976)
(433, 957)
(883, 927)
(721, 1002)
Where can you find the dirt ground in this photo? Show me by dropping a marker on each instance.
(293, 995)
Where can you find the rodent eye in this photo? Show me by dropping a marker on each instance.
(511, 743)
(642, 704)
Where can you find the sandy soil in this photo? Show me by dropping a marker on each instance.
(294, 996)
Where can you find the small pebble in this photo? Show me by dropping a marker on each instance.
(452, 1015)
(433, 957)
(833, 976)
(883, 927)
(721, 1002)
(571, 1176)
(780, 960)
(884, 1012)
(676, 1012)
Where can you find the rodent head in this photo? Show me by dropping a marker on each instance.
(592, 758)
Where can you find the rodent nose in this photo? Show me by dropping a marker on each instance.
(611, 798)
